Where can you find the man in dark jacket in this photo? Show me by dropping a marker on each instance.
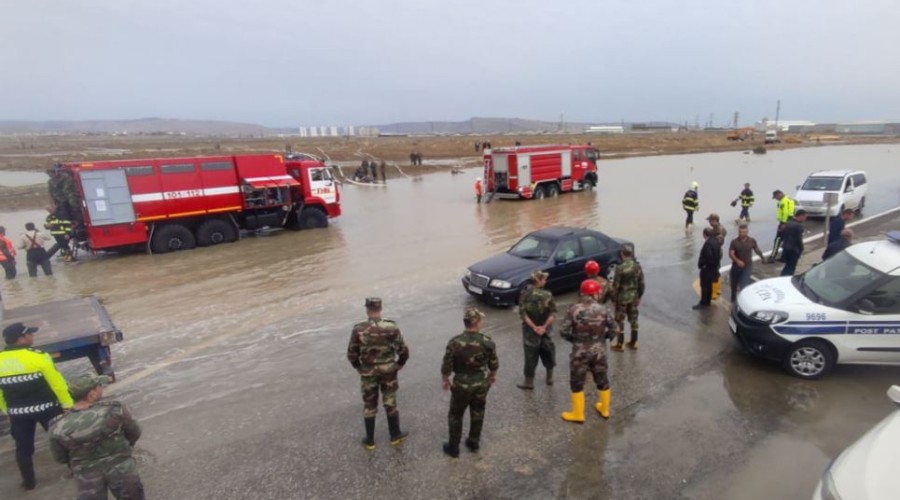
(709, 262)
(837, 225)
(792, 242)
(840, 245)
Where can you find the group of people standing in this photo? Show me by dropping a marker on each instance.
(377, 351)
(33, 242)
(92, 436)
(788, 240)
(368, 171)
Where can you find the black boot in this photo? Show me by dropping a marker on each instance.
(27, 470)
(452, 446)
(397, 436)
(633, 343)
(369, 441)
(472, 442)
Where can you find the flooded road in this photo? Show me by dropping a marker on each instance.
(234, 356)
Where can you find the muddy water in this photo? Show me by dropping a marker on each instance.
(412, 241)
(240, 326)
(16, 179)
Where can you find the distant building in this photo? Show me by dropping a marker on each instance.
(604, 129)
(867, 127)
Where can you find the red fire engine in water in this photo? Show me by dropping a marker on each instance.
(539, 171)
(168, 204)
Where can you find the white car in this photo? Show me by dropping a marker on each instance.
(844, 310)
(848, 186)
(867, 468)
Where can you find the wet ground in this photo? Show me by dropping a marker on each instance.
(234, 358)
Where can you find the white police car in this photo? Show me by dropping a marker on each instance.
(845, 310)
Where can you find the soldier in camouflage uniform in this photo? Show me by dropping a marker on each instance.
(587, 325)
(472, 358)
(95, 439)
(629, 288)
(55, 187)
(592, 270)
(538, 310)
(377, 352)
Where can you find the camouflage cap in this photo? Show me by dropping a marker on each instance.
(472, 314)
(539, 275)
(81, 385)
(373, 302)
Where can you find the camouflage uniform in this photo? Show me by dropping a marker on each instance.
(377, 351)
(96, 443)
(71, 210)
(471, 357)
(538, 305)
(629, 288)
(607, 292)
(587, 325)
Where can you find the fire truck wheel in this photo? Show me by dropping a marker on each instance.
(539, 193)
(589, 183)
(552, 190)
(215, 231)
(311, 218)
(172, 237)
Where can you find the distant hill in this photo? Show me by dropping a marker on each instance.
(149, 126)
(140, 126)
(479, 126)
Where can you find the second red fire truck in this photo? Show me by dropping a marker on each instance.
(168, 204)
(539, 171)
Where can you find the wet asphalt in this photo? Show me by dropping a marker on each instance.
(234, 358)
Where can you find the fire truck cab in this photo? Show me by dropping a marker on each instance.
(540, 171)
(169, 204)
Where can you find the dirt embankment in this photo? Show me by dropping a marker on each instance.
(37, 153)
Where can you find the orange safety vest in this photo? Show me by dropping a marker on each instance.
(478, 187)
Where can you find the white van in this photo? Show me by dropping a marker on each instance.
(849, 185)
(844, 310)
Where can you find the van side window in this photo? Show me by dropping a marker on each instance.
(859, 179)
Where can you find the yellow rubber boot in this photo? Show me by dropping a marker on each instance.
(602, 405)
(716, 288)
(577, 413)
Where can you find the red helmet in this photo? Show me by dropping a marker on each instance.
(590, 287)
(591, 267)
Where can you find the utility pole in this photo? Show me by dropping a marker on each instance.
(736, 118)
(777, 112)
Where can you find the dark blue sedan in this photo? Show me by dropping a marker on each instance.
(560, 251)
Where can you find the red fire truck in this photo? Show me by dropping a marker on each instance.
(539, 171)
(168, 204)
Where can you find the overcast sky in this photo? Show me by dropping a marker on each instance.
(302, 62)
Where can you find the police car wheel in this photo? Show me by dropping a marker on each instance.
(810, 359)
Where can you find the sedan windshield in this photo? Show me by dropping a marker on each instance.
(838, 279)
(822, 184)
(534, 248)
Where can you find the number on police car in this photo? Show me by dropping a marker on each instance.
(815, 316)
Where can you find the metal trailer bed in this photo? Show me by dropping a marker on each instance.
(71, 329)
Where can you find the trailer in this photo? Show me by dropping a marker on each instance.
(168, 204)
(71, 329)
(526, 172)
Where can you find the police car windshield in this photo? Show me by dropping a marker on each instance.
(822, 184)
(534, 248)
(838, 278)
